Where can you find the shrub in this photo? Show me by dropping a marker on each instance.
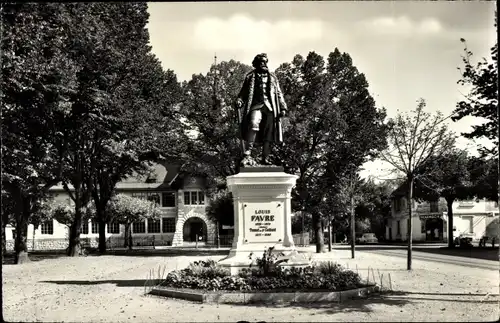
(207, 275)
(267, 264)
(329, 267)
(207, 269)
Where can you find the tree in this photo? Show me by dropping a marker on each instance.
(211, 137)
(333, 128)
(38, 80)
(221, 208)
(482, 100)
(375, 205)
(347, 194)
(125, 209)
(301, 222)
(64, 213)
(484, 177)
(142, 122)
(122, 114)
(7, 217)
(414, 139)
(446, 176)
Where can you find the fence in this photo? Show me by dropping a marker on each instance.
(225, 241)
(301, 240)
(147, 241)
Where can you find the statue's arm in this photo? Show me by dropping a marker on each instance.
(243, 95)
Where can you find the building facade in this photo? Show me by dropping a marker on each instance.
(430, 219)
(180, 197)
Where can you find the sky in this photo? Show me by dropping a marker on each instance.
(406, 49)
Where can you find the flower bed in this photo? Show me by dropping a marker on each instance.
(208, 276)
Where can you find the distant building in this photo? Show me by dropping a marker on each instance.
(182, 201)
(430, 219)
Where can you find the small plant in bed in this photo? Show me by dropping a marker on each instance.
(264, 277)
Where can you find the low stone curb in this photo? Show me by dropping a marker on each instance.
(262, 297)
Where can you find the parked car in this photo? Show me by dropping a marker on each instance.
(358, 236)
(464, 240)
(368, 238)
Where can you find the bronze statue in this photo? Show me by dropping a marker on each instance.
(260, 106)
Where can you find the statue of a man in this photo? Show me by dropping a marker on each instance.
(261, 106)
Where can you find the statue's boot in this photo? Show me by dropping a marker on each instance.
(247, 158)
(249, 143)
(248, 150)
(266, 150)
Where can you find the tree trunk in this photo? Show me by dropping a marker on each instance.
(449, 204)
(410, 222)
(318, 232)
(4, 241)
(329, 233)
(74, 230)
(5, 221)
(34, 231)
(353, 229)
(129, 237)
(21, 242)
(125, 235)
(102, 234)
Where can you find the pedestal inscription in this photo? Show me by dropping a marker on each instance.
(263, 222)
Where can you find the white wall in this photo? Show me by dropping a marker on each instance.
(475, 225)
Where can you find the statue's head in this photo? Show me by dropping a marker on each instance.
(260, 62)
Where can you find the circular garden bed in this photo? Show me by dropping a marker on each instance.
(206, 281)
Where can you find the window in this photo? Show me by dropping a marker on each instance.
(399, 227)
(155, 197)
(85, 227)
(194, 198)
(47, 227)
(168, 225)
(139, 227)
(422, 225)
(153, 226)
(140, 195)
(113, 227)
(95, 227)
(168, 199)
(434, 206)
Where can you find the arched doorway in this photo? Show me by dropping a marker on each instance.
(194, 228)
(434, 229)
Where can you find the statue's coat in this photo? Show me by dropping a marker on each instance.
(276, 98)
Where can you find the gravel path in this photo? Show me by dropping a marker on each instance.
(111, 288)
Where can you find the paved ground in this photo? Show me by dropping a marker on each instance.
(487, 253)
(110, 289)
(486, 258)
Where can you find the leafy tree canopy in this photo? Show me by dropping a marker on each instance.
(482, 100)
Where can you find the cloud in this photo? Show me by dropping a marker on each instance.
(402, 25)
(243, 33)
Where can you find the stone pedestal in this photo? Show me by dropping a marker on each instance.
(262, 214)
